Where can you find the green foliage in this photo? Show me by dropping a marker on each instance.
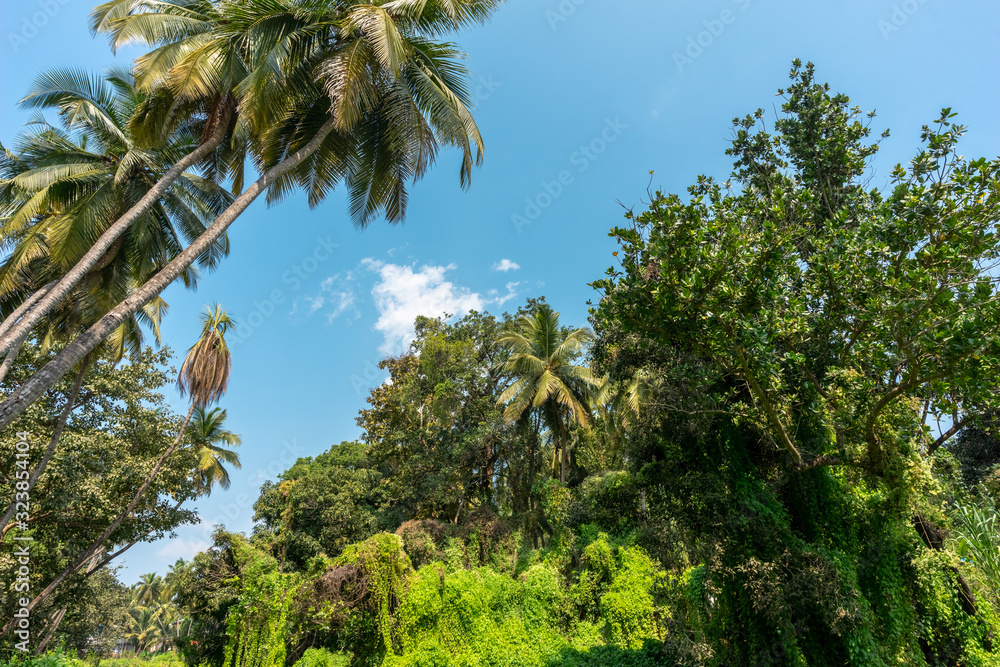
(257, 624)
(117, 431)
(384, 565)
(978, 535)
(322, 504)
(51, 659)
(444, 391)
(317, 657)
(796, 330)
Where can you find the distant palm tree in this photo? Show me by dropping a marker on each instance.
(149, 589)
(207, 435)
(174, 573)
(541, 363)
(143, 630)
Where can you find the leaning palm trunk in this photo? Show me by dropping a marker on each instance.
(54, 442)
(29, 392)
(13, 328)
(110, 557)
(95, 547)
(25, 306)
(8, 361)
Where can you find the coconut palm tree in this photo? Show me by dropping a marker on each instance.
(207, 435)
(545, 378)
(60, 191)
(63, 194)
(368, 103)
(148, 589)
(204, 376)
(143, 629)
(174, 574)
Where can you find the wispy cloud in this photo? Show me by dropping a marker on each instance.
(181, 548)
(506, 265)
(336, 296)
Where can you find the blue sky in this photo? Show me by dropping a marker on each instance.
(578, 101)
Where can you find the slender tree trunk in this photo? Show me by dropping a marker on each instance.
(97, 544)
(27, 305)
(8, 361)
(564, 459)
(54, 442)
(29, 392)
(107, 559)
(107, 240)
(53, 626)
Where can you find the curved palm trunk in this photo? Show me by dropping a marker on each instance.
(110, 557)
(17, 328)
(8, 361)
(27, 305)
(91, 551)
(29, 392)
(54, 442)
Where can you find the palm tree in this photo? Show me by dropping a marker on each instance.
(546, 379)
(61, 191)
(207, 435)
(204, 376)
(368, 103)
(146, 129)
(174, 574)
(149, 589)
(62, 187)
(143, 629)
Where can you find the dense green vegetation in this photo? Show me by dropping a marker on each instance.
(733, 465)
(735, 468)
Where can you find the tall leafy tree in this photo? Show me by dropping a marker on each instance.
(204, 375)
(119, 431)
(803, 327)
(434, 427)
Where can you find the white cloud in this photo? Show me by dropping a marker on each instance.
(181, 548)
(506, 265)
(402, 294)
(499, 300)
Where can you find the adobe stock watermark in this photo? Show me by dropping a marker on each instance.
(22, 550)
(714, 28)
(901, 14)
(581, 160)
(562, 12)
(484, 87)
(296, 274)
(31, 24)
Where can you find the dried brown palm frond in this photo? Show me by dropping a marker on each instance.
(205, 371)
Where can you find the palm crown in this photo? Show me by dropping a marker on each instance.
(60, 188)
(545, 377)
